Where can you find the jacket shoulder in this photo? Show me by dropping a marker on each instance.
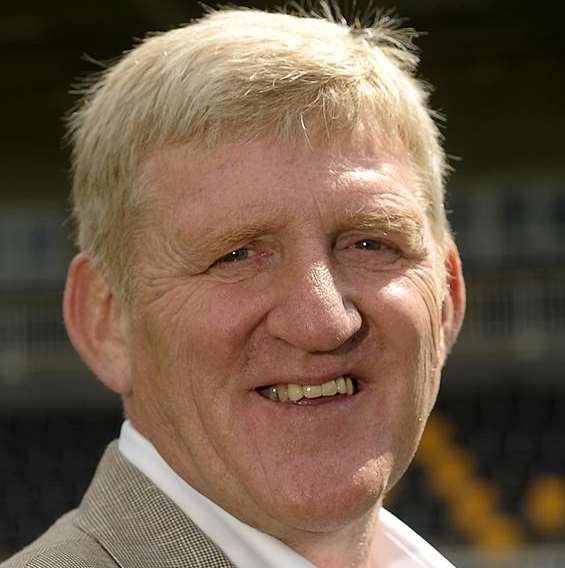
(64, 545)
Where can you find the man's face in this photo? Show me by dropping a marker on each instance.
(265, 265)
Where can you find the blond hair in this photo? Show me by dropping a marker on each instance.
(240, 74)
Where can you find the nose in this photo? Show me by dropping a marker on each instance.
(312, 313)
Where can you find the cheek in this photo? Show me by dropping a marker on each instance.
(193, 336)
(429, 295)
(414, 335)
(419, 296)
(222, 333)
(160, 350)
(408, 310)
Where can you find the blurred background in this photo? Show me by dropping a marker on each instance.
(488, 484)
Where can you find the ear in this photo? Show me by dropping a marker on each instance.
(453, 309)
(97, 324)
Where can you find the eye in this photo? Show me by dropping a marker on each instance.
(240, 263)
(236, 255)
(374, 252)
(370, 244)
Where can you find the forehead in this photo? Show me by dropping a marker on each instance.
(264, 173)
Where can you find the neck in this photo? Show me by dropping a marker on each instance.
(355, 546)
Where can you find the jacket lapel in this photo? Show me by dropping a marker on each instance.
(138, 525)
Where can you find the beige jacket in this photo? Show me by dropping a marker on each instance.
(124, 521)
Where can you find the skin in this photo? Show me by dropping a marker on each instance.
(263, 264)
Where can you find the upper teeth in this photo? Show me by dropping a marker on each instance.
(294, 392)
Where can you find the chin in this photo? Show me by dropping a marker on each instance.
(327, 505)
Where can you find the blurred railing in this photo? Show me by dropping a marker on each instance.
(39, 368)
(517, 315)
(33, 339)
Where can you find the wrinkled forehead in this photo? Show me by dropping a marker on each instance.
(366, 145)
(353, 160)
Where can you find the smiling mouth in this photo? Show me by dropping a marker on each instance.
(294, 393)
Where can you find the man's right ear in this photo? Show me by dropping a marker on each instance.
(97, 324)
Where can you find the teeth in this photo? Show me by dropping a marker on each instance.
(312, 391)
(329, 388)
(294, 392)
(282, 392)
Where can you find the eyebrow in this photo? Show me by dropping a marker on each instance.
(219, 239)
(388, 222)
(385, 221)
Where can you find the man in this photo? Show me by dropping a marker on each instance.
(268, 280)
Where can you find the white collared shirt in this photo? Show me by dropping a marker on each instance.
(247, 547)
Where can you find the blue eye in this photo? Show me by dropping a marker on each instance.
(369, 244)
(236, 255)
